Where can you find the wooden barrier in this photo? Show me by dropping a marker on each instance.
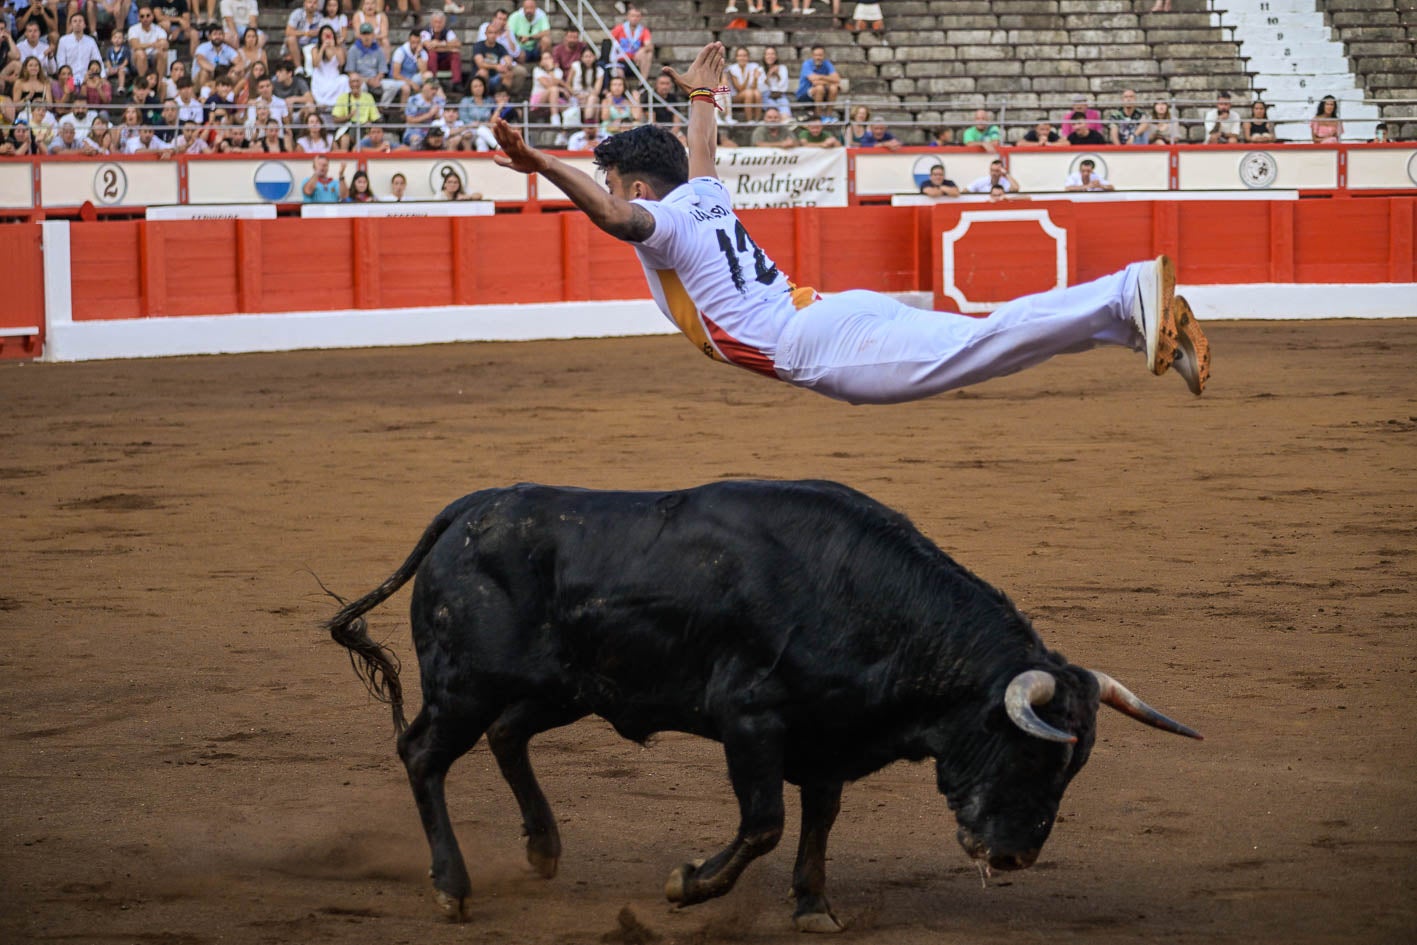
(22, 312)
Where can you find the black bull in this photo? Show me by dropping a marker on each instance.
(811, 630)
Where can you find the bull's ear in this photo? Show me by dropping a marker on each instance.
(1119, 697)
(1026, 690)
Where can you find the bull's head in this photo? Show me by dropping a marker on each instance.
(1005, 784)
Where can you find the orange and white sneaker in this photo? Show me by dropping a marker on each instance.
(1186, 346)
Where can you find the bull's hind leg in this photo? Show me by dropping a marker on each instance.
(821, 801)
(508, 738)
(428, 748)
(754, 752)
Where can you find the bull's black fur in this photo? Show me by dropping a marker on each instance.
(810, 629)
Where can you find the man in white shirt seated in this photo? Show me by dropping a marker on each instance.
(1085, 178)
(33, 43)
(77, 49)
(147, 141)
(997, 176)
(80, 117)
(68, 141)
(148, 41)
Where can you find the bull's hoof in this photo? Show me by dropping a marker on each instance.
(822, 922)
(544, 864)
(450, 906)
(676, 887)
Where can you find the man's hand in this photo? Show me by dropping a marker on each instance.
(517, 154)
(705, 73)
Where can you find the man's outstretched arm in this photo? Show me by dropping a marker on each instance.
(702, 133)
(620, 218)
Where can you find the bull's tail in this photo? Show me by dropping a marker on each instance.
(373, 662)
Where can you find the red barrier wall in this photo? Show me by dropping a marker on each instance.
(138, 269)
(23, 288)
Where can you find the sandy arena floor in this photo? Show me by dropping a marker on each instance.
(188, 759)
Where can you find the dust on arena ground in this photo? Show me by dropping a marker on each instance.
(188, 760)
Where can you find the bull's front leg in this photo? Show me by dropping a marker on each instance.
(754, 752)
(821, 801)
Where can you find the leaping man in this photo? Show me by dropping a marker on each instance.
(724, 293)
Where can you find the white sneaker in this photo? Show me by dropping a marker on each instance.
(731, 8)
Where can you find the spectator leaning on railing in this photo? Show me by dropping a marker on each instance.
(773, 132)
(1222, 126)
(983, 134)
(1085, 178)
(1258, 129)
(1326, 128)
(879, 136)
(1128, 124)
(938, 185)
(998, 176)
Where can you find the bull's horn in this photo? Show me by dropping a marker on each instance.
(1120, 698)
(1026, 690)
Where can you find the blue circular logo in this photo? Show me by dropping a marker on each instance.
(273, 181)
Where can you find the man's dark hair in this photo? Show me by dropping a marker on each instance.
(649, 153)
(1087, 162)
(1224, 95)
(285, 65)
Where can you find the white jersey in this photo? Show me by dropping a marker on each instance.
(712, 281)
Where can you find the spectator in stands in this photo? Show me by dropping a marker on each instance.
(983, 134)
(1380, 133)
(265, 96)
(43, 126)
(531, 28)
(148, 43)
(32, 84)
(176, 22)
(666, 108)
(548, 87)
(191, 141)
(371, 16)
(128, 127)
(1091, 115)
(397, 185)
(1083, 124)
(18, 142)
(117, 60)
(774, 132)
(1325, 127)
(998, 176)
(619, 109)
(423, 107)
(320, 187)
(1128, 124)
(248, 54)
(777, 82)
(273, 139)
(223, 136)
(327, 79)
(357, 106)
(444, 47)
(302, 29)
(69, 141)
(359, 189)
(63, 85)
(215, 53)
(106, 15)
(80, 117)
(147, 141)
(452, 188)
(314, 139)
(877, 136)
(77, 49)
(587, 84)
(568, 51)
(410, 65)
(633, 42)
(493, 60)
(1222, 126)
(1162, 126)
(189, 107)
(456, 136)
(291, 87)
(745, 82)
(375, 140)
(167, 119)
(410, 17)
(96, 90)
(368, 60)
(248, 90)
(433, 140)
(474, 113)
(101, 136)
(223, 97)
(146, 97)
(1042, 134)
(332, 16)
(938, 185)
(813, 134)
(238, 17)
(585, 139)
(33, 45)
(1086, 178)
(858, 125)
(819, 83)
(1257, 129)
(867, 13)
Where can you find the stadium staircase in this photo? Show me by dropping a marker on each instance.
(1380, 38)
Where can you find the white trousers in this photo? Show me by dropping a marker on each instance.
(867, 348)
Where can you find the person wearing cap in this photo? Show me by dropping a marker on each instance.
(368, 60)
